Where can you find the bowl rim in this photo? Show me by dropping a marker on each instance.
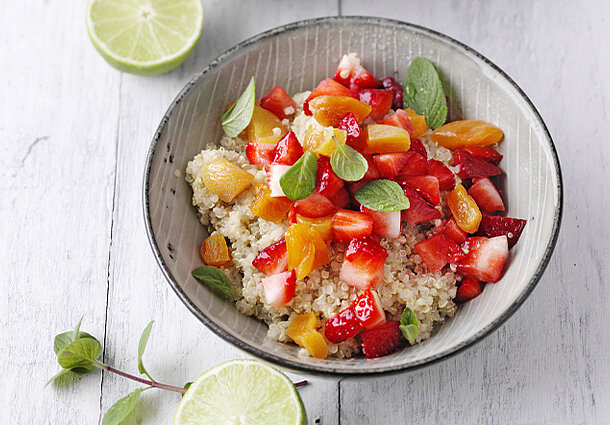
(325, 370)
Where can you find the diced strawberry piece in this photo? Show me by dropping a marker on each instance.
(291, 218)
(382, 340)
(418, 146)
(446, 179)
(350, 72)
(273, 259)
(399, 119)
(351, 127)
(486, 195)
(450, 229)
(279, 102)
(468, 290)
(485, 258)
(372, 173)
(391, 164)
(390, 83)
(343, 326)
(416, 165)
(385, 223)
(288, 150)
(472, 166)
(368, 309)
(352, 187)
(274, 173)
(314, 206)
(363, 264)
(327, 87)
(379, 100)
(348, 225)
(438, 251)
(427, 186)
(493, 225)
(486, 153)
(419, 210)
(328, 182)
(340, 198)
(279, 288)
(260, 153)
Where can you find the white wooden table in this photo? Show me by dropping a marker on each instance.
(74, 133)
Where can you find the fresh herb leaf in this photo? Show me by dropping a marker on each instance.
(348, 163)
(120, 410)
(142, 347)
(424, 92)
(57, 375)
(300, 179)
(65, 338)
(409, 325)
(216, 278)
(76, 333)
(187, 386)
(382, 195)
(80, 354)
(237, 118)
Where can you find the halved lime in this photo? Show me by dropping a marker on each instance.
(147, 37)
(241, 392)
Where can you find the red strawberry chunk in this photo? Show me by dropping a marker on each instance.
(288, 150)
(390, 83)
(385, 223)
(343, 326)
(485, 153)
(351, 127)
(273, 259)
(372, 173)
(352, 187)
(274, 173)
(368, 309)
(340, 198)
(348, 225)
(391, 164)
(382, 340)
(468, 290)
(416, 165)
(418, 146)
(291, 218)
(438, 251)
(486, 195)
(379, 100)
(493, 225)
(279, 102)
(350, 72)
(419, 210)
(279, 288)
(427, 186)
(451, 230)
(314, 206)
(485, 258)
(327, 87)
(446, 179)
(471, 166)
(363, 264)
(399, 119)
(260, 153)
(328, 182)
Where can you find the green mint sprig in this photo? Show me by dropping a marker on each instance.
(215, 278)
(424, 92)
(409, 325)
(237, 118)
(382, 195)
(348, 163)
(299, 181)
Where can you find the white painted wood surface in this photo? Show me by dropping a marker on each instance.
(74, 134)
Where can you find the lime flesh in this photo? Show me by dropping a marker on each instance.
(241, 392)
(147, 37)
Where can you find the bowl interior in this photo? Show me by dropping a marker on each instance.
(297, 57)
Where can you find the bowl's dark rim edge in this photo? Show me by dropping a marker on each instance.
(323, 370)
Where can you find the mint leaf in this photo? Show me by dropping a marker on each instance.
(300, 179)
(382, 195)
(237, 118)
(409, 325)
(424, 92)
(348, 163)
(81, 354)
(57, 375)
(216, 278)
(76, 332)
(120, 410)
(65, 338)
(142, 347)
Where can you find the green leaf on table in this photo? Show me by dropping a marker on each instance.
(57, 375)
(142, 346)
(76, 332)
(382, 195)
(348, 163)
(299, 181)
(409, 325)
(65, 338)
(237, 118)
(424, 92)
(120, 410)
(215, 278)
(80, 354)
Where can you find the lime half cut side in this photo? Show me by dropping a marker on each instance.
(241, 392)
(147, 37)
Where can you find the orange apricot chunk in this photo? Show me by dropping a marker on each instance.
(322, 225)
(464, 209)
(225, 179)
(464, 133)
(381, 138)
(269, 208)
(263, 125)
(328, 110)
(303, 331)
(215, 252)
(420, 127)
(320, 140)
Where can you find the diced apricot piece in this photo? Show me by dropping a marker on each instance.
(303, 331)
(262, 126)
(320, 140)
(215, 252)
(380, 138)
(225, 179)
(269, 208)
(306, 249)
(321, 256)
(418, 122)
(328, 110)
(320, 225)
(464, 209)
(460, 134)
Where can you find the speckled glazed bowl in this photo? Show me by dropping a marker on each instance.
(297, 56)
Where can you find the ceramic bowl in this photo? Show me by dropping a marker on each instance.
(297, 56)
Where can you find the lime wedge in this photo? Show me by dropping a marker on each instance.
(147, 37)
(241, 392)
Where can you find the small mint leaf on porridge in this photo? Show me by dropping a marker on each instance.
(424, 92)
(409, 325)
(348, 163)
(237, 118)
(215, 278)
(382, 195)
(299, 181)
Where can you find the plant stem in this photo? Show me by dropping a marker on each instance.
(300, 383)
(140, 380)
